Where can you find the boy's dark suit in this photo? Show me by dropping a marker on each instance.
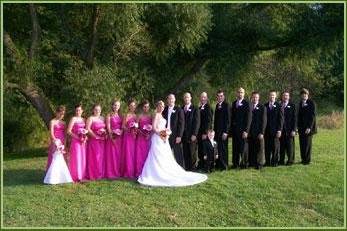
(210, 151)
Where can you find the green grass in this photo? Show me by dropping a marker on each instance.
(284, 196)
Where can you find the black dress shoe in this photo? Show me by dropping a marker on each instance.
(259, 167)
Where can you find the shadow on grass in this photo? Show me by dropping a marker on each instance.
(26, 154)
(17, 177)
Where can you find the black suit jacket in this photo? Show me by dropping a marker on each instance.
(206, 115)
(209, 150)
(191, 122)
(177, 121)
(274, 119)
(222, 119)
(241, 117)
(258, 124)
(307, 117)
(289, 114)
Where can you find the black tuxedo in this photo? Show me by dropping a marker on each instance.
(177, 129)
(221, 125)
(306, 119)
(209, 151)
(273, 125)
(240, 117)
(287, 144)
(206, 115)
(256, 145)
(191, 127)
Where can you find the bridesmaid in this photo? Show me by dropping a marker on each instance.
(143, 138)
(57, 132)
(114, 142)
(96, 144)
(76, 129)
(130, 127)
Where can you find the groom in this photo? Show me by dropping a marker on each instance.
(175, 122)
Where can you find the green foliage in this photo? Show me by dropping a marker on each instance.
(146, 50)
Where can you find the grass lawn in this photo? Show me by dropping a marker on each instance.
(299, 195)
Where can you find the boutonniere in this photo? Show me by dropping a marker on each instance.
(256, 108)
(274, 105)
(305, 104)
(189, 109)
(214, 143)
(173, 111)
(288, 106)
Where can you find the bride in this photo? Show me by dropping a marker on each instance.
(161, 168)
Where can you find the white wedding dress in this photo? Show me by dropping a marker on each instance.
(161, 168)
(58, 172)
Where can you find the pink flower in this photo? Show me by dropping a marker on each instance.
(147, 127)
(101, 132)
(117, 132)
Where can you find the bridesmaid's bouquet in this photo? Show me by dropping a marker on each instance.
(116, 132)
(164, 134)
(82, 134)
(147, 129)
(133, 127)
(101, 132)
(60, 147)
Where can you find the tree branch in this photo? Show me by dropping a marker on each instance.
(35, 30)
(11, 49)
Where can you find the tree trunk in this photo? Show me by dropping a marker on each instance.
(93, 37)
(36, 98)
(35, 31)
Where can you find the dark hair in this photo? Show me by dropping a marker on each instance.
(220, 91)
(131, 100)
(304, 91)
(78, 105)
(96, 105)
(144, 102)
(285, 91)
(255, 93)
(60, 108)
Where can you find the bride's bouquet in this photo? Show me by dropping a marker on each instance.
(60, 147)
(101, 132)
(82, 134)
(116, 132)
(164, 134)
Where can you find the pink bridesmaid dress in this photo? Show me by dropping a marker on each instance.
(113, 150)
(95, 153)
(129, 142)
(78, 159)
(142, 143)
(59, 133)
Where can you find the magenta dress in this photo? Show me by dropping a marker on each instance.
(129, 142)
(59, 133)
(113, 150)
(78, 159)
(95, 153)
(143, 142)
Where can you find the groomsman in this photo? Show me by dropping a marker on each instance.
(175, 122)
(221, 127)
(191, 129)
(240, 117)
(287, 144)
(256, 133)
(206, 115)
(210, 152)
(273, 130)
(306, 125)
